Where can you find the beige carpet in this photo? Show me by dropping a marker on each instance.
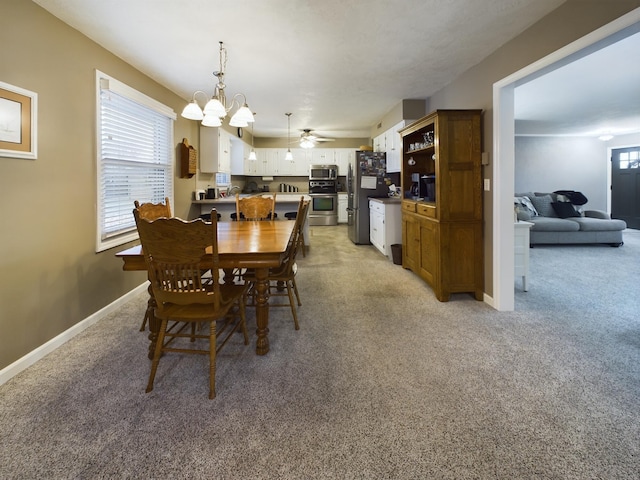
(381, 381)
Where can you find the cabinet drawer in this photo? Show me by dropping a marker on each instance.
(408, 206)
(427, 210)
(376, 206)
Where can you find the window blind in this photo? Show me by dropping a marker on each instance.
(135, 143)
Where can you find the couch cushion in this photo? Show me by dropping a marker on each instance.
(543, 205)
(598, 225)
(564, 209)
(552, 224)
(524, 206)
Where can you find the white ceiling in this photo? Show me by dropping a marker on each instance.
(338, 66)
(595, 94)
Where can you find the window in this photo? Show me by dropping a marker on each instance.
(135, 157)
(630, 159)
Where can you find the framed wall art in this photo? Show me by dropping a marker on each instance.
(18, 122)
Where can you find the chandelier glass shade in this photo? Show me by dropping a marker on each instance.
(216, 107)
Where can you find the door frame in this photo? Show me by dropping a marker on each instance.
(503, 166)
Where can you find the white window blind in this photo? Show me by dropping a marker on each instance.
(135, 158)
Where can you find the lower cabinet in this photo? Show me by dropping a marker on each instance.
(384, 225)
(448, 256)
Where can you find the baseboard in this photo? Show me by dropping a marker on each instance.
(43, 350)
(488, 300)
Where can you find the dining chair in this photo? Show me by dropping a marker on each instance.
(282, 279)
(175, 251)
(257, 207)
(151, 211)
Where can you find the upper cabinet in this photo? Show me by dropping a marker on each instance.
(215, 150)
(390, 142)
(273, 162)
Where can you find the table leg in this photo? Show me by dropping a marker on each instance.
(262, 310)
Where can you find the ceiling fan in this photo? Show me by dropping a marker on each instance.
(309, 139)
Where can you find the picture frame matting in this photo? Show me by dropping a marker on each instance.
(18, 122)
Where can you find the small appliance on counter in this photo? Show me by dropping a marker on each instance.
(199, 195)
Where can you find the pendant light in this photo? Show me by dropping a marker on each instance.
(289, 155)
(252, 153)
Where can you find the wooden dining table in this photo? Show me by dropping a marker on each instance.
(258, 245)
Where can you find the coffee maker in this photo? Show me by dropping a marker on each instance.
(423, 186)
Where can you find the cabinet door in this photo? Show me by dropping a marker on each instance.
(411, 242)
(342, 157)
(376, 229)
(393, 143)
(429, 251)
(342, 208)
(322, 156)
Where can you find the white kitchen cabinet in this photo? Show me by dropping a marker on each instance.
(342, 207)
(393, 145)
(385, 224)
(239, 153)
(322, 156)
(342, 157)
(215, 150)
(521, 249)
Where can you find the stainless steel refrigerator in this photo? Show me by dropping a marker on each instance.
(365, 178)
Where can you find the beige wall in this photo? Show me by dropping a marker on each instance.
(50, 276)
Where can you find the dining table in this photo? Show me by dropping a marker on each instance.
(258, 245)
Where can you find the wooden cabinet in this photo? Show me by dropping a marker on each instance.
(215, 150)
(442, 230)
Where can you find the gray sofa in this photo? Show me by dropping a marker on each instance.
(557, 221)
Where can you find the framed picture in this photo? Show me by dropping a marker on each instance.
(18, 122)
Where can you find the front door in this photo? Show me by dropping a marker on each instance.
(625, 185)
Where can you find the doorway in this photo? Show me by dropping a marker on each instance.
(504, 148)
(625, 185)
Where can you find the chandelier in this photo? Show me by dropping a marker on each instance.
(216, 108)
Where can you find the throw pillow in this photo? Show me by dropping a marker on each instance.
(524, 204)
(543, 205)
(565, 209)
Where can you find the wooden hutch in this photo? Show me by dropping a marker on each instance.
(442, 218)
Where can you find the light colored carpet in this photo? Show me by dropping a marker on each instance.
(381, 381)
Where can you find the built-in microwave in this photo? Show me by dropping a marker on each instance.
(323, 172)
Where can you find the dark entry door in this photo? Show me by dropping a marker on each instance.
(625, 185)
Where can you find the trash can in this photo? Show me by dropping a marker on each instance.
(396, 253)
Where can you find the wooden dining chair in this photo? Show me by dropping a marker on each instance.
(175, 253)
(151, 211)
(282, 280)
(257, 207)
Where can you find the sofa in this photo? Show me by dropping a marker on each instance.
(557, 219)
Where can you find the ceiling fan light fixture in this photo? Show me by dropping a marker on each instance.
(306, 143)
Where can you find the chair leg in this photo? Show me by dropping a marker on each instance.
(156, 355)
(293, 307)
(295, 289)
(302, 245)
(212, 360)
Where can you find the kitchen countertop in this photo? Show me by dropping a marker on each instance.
(280, 197)
(386, 199)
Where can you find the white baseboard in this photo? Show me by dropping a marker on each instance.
(32, 357)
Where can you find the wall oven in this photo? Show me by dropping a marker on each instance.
(323, 209)
(323, 172)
